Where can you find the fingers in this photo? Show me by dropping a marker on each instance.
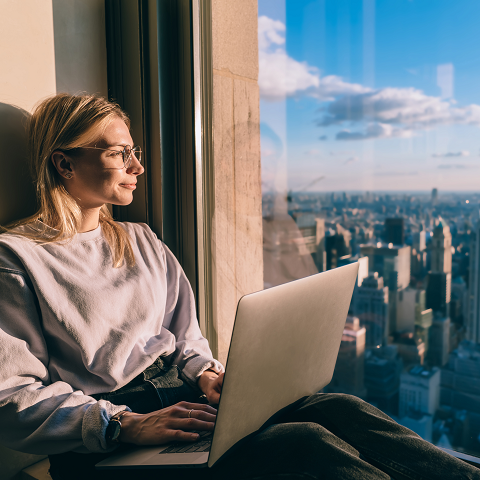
(201, 415)
(188, 424)
(197, 406)
(181, 436)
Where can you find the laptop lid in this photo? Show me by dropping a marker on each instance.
(284, 347)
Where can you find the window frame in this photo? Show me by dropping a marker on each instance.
(159, 55)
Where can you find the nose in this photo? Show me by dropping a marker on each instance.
(135, 168)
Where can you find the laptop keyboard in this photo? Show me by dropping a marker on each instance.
(203, 444)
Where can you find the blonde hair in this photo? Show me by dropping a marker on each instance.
(65, 122)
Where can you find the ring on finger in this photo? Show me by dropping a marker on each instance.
(190, 413)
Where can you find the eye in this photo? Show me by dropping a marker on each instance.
(117, 153)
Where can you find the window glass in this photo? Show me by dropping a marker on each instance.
(370, 115)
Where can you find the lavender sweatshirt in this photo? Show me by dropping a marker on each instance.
(71, 326)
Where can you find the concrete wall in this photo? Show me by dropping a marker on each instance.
(27, 52)
(51, 46)
(237, 226)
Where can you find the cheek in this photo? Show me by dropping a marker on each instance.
(103, 181)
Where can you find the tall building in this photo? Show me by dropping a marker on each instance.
(391, 262)
(439, 287)
(337, 246)
(410, 348)
(419, 399)
(460, 385)
(434, 196)
(419, 390)
(383, 367)
(370, 305)
(419, 241)
(394, 231)
(320, 254)
(439, 279)
(419, 254)
(473, 304)
(410, 307)
(348, 376)
(423, 322)
(439, 342)
(441, 248)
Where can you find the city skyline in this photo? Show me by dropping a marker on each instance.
(409, 344)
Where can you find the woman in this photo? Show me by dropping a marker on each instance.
(98, 324)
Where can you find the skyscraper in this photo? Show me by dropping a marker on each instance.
(337, 246)
(473, 305)
(394, 231)
(419, 390)
(348, 376)
(320, 255)
(383, 367)
(370, 305)
(439, 344)
(391, 262)
(441, 248)
(460, 385)
(439, 287)
(439, 279)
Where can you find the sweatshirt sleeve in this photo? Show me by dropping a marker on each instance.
(37, 416)
(192, 353)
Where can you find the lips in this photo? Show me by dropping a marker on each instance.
(131, 186)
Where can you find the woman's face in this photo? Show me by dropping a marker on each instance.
(98, 176)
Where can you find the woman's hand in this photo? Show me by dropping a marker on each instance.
(167, 425)
(211, 385)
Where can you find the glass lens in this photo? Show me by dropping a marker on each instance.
(127, 156)
(137, 151)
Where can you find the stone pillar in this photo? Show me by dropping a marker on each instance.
(237, 242)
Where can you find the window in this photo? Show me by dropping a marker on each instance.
(369, 116)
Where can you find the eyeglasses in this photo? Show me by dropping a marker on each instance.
(127, 154)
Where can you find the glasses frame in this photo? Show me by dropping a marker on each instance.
(127, 161)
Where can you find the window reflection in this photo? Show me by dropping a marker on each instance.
(370, 153)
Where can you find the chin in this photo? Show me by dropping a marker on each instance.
(122, 202)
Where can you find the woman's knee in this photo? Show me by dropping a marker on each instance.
(338, 401)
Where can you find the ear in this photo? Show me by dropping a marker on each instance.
(63, 164)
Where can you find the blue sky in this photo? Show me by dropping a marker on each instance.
(370, 95)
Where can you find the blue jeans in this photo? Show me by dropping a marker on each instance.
(327, 436)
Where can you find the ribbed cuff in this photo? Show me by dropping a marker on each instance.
(197, 365)
(94, 425)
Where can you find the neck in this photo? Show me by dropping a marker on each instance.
(90, 219)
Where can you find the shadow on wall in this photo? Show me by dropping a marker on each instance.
(17, 195)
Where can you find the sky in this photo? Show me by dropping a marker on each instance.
(369, 95)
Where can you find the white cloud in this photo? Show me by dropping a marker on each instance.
(402, 106)
(374, 130)
(314, 151)
(270, 31)
(381, 113)
(463, 153)
(282, 76)
(350, 160)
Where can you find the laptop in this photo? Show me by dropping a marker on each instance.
(284, 347)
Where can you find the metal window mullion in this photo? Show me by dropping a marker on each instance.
(205, 187)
